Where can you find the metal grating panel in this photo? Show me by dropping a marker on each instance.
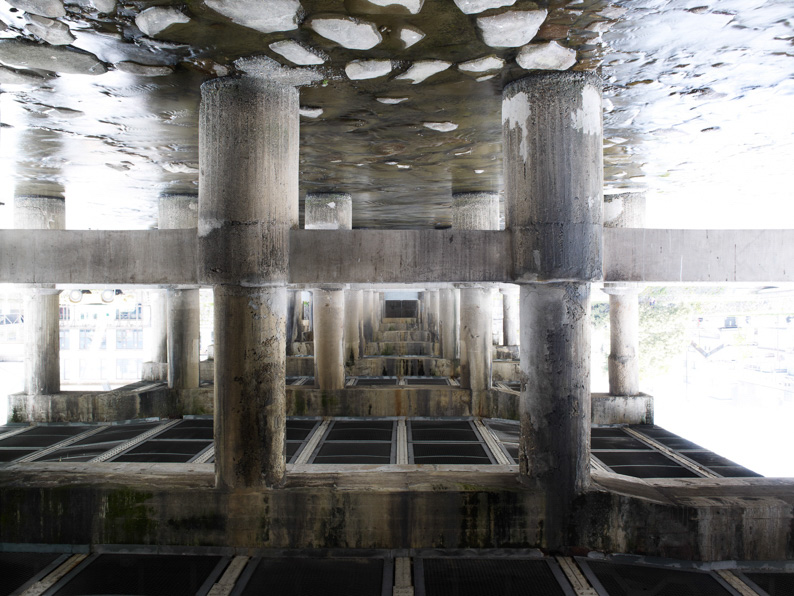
(632, 580)
(354, 453)
(450, 453)
(187, 430)
(376, 381)
(43, 436)
(671, 471)
(117, 433)
(634, 458)
(16, 569)
(624, 442)
(365, 430)
(488, 577)
(143, 575)
(774, 584)
(308, 577)
(9, 455)
(427, 381)
(721, 465)
(507, 431)
(163, 451)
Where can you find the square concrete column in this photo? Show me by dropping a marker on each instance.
(248, 203)
(179, 212)
(41, 302)
(552, 138)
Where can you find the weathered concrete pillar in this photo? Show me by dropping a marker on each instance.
(180, 212)
(552, 138)
(329, 348)
(294, 313)
(511, 315)
(353, 312)
(624, 210)
(448, 323)
(432, 311)
(329, 211)
(42, 327)
(159, 326)
(475, 211)
(367, 314)
(475, 337)
(248, 202)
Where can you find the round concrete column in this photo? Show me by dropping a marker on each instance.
(180, 212)
(159, 325)
(367, 302)
(448, 323)
(329, 317)
(328, 211)
(42, 321)
(433, 308)
(476, 336)
(624, 321)
(248, 202)
(353, 311)
(552, 138)
(511, 315)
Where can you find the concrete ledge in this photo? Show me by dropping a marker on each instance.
(505, 370)
(378, 401)
(168, 505)
(404, 366)
(621, 409)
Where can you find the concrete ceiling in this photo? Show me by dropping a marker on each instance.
(697, 99)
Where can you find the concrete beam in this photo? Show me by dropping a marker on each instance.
(398, 256)
(692, 256)
(101, 257)
(168, 257)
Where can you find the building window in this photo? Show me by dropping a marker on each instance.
(94, 369)
(129, 339)
(128, 368)
(64, 313)
(64, 339)
(88, 336)
(135, 314)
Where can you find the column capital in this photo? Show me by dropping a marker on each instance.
(622, 288)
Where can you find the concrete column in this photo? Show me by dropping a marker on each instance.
(448, 323)
(624, 322)
(329, 352)
(353, 308)
(159, 325)
(294, 310)
(248, 202)
(433, 308)
(367, 314)
(475, 211)
(552, 138)
(180, 212)
(42, 324)
(511, 315)
(476, 334)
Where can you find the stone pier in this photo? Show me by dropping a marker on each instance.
(42, 332)
(511, 326)
(248, 203)
(552, 135)
(179, 212)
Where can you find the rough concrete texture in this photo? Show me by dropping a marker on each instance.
(354, 303)
(401, 348)
(98, 257)
(42, 341)
(250, 366)
(439, 508)
(39, 213)
(621, 409)
(624, 210)
(183, 338)
(21, 54)
(328, 211)
(505, 370)
(554, 449)
(329, 353)
(403, 366)
(248, 180)
(475, 210)
(177, 212)
(552, 135)
(624, 339)
(379, 401)
(511, 315)
(371, 256)
(159, 326)
(475, 343)
(448, 323)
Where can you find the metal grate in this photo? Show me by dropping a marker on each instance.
(90, 447)
(9, 455)
(304, 577)
(163, 451)
(38, 437)
(144, 575)
(624, 442)
(488, 577)
(441, 381)
(450, 453)
(376, 381)
(354, 453)
(505, 430)
(195, 429)
(631, 580)
(774, 584)
(364, 430)
(17, 569)
(357, 442)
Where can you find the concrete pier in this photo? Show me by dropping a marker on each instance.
(511, 320)
(159, 342)
(448, 323)
(329, 349)
(475, 336)
(354, 304)
(248, 203)
(180, 212)
(552, 134)
(624, 321)
(42, 332)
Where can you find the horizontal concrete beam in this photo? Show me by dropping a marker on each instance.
(693, 256)
(169, 257)
(399, 256)
(98, 257)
